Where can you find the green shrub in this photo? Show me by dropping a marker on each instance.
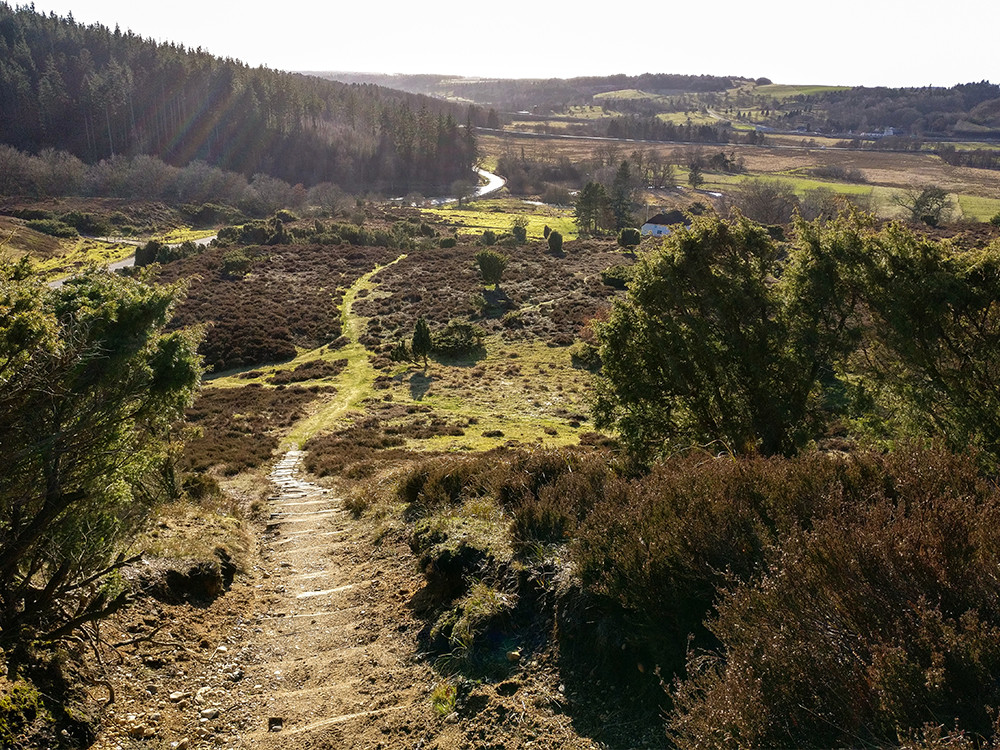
(236, 263)
(53, 228)
(995, 221)
(617, 276)
(629, 238)
(491, 266)
(446, 242)
(86, 223)
(29, 214)
(555, 240)
(458, 338)
(489, 237)
(519, 230)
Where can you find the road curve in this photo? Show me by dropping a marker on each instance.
(130, 260)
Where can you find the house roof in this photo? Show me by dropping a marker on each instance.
(668, 219)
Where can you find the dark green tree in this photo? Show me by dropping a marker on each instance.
(89, 384)
(555, 241)
(491, 266)
(422, 344)
(622, 196)
(721, 340)
(592, 210)
(931, 349)
(629, 238)
(695, 177)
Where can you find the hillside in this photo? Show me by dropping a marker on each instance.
(98, 93)
(327, 469)
(620, 106)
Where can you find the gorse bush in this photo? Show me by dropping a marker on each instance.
(90, 382)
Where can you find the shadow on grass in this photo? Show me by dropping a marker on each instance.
(467, 359)
(498, 303)
(420, 383)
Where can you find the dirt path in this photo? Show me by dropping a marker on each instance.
(316, 645)
(328, 662)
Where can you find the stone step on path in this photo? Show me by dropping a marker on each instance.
(317, 632)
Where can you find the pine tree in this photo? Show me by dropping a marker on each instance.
(421, 344)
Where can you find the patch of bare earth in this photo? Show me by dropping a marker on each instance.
(314, 647)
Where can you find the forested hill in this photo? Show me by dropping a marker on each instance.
(511, 95)
(98, 93)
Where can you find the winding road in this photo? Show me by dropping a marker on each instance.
(130, 260)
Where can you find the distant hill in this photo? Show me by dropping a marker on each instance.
(964, 110)
(511, 95)
(97, 93)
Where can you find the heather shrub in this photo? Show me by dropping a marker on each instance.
(349, 451)
(441, 482)
(865, 626)
(661, 550)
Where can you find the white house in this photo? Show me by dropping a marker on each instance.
(661, 223)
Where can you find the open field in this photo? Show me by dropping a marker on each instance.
(499, 214)
(974, 189)
(633, 94)
(695, 118)
(586, 112)
(782, 91)
(522, 385)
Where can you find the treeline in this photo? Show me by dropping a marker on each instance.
(58, 173)
(980, 158)
(968, 107)
(655, 129)
(551, 93)
(98, 93)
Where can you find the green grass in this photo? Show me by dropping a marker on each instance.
(498, 214)
(587, 112)
(183, 234)
(978, 208)
(696, 118)
(966, 146)
(783, 91)
(634, 94)
(972, 207)
(521, 405)
(80, 253)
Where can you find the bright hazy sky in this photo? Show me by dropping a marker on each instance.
(852, 42)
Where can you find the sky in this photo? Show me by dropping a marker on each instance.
(851, 42)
